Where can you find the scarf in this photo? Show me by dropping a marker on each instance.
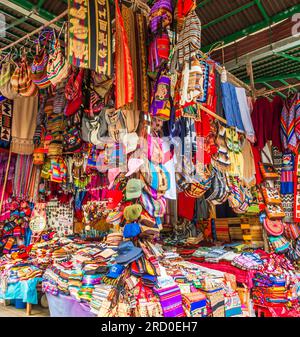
(124, 88)
(90, 37)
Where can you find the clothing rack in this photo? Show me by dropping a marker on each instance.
(231, 78)
(36, 30)
(270, 92)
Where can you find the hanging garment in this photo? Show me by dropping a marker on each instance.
(24, 124)
(245, 113)
(290, 123)
(189, 39)
(249, 167)
(287, 174)
(124, 88)
(231, 106)
(136, 27)
(261, 117)
(277, 106)
(219, 104)
(297, 189)
(90, 36)
(5, 123)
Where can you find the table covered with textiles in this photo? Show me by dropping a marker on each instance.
(242, 276)
(67, 306)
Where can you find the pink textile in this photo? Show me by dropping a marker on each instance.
(242, 276)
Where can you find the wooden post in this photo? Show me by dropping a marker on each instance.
(28, 309)
(251, 75)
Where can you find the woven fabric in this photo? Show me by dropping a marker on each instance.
(124, 89)
(5, 123)
(171, 301)
(297, 189)
(90, 37)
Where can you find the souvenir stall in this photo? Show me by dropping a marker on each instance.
(138, 177)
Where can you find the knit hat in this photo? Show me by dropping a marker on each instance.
(134, 189)
(132, 213)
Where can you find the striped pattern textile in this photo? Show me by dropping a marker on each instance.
(297, 190)
(189, 40)
(290, 123)
(5, 123)
(90, 37)
(171, 301)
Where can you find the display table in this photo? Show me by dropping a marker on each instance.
(242, 276)
(66, 306)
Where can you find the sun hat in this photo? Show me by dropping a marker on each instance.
(127, 253)
(130, 142)
(131, 230)
(133, 212)
(115, 271)
(134, 165)
(112, 175)
(114, 198)
(134, 189)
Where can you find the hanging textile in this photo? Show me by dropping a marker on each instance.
(136, 29)
(297, 189)
(5, 123)
(24, 124)
(90, 37)
(124, 88)
(290, 123)
(22, 178)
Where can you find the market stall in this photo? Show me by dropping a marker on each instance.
(140, 178)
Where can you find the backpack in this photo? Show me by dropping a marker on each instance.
(94, 128)
(116, 123)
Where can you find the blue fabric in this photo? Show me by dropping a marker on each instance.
(22, 290)
(231, 106)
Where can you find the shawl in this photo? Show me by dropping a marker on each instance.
(124, 88)
(290, 123)
(277, 105)
(136, 27)
(24, 124)
(90, 37)
(261, 117)
(5, 123)
(249, 167)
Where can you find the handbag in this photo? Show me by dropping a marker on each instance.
(39, 69)
(275, 212)
(161, 106)
(5, 74)
(21, 80)
(271, 195)
(116, 123)
(72, 140)
(274, 228)
(57, 67)
(94, 128)
(268, 170)
(73, 92)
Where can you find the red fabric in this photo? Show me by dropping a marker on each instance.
(261, 117)
(184, 7)
(242, 276)
(277, 106)
(257, 159)
(186, 206)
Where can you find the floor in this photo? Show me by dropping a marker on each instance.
(11, 311)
